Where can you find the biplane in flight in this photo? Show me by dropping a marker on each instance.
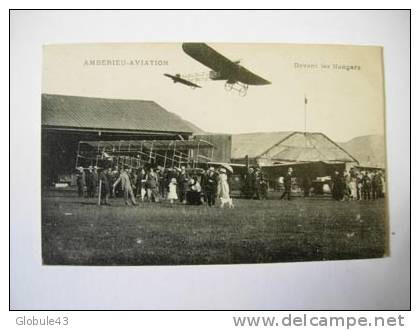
(237, 77)
(178, 79)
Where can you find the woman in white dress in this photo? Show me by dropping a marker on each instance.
(353, 188)
(223, 188)
(172, 195)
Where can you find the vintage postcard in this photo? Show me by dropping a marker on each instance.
(212, 153)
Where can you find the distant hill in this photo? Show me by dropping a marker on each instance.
(369, 150)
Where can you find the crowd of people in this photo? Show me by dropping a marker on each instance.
(154, 185)
(88, 179)
(206, 186)
(358, 185)
(346, 185)
(255, 184)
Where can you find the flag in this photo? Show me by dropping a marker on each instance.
(306, 100)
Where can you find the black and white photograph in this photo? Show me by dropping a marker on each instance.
(253, 163)
(197, 153)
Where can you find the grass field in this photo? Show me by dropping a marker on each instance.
(78, 232)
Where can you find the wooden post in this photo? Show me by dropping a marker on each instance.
(173, 155)
(198, 153)
(97, 154)
(150, 153)
(78, 155)
(166, 155)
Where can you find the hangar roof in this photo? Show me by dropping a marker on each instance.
(114, 114)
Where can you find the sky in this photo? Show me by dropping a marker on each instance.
(342, 104)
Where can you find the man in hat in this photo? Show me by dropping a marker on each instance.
(152, 181)
(359, 186)
(260, 184)
(124, 178)
(375, 185)
(287, 184)
(210, 186)
(81, 181)
(89, 182)
(337, 186)
(161, 180)
(104, 182)
(367, 186)
(114, 175)
(249, 183)
(95, 180)
(183, 181)
(141, 183)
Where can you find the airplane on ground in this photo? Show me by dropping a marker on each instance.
(237, 77)
(177, 79)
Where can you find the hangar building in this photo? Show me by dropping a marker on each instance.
(67, 120)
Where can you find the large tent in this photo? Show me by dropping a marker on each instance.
(265, 149)
(311, 155)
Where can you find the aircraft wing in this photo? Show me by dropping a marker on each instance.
(170, 76)
(219, 63)
(180, 80)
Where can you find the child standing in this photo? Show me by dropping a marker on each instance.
(172, 195)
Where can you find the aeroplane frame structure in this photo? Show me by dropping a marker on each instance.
(137, 153)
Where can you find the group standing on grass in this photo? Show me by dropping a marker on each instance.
(255, 184)
(358, 185)
(154, 185)
(88, 179)
(180, 185)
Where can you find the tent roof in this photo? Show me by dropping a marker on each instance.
(289, 147)
(115, 114)
(254, 144)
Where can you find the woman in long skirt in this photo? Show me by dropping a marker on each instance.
(223, 185)
(172, 195)
(353, 188)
